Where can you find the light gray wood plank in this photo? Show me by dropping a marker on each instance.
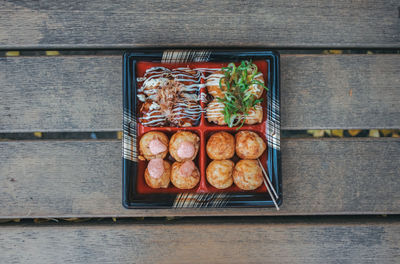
(330, 92)
(360, 242)
(83, 179)
(83, 93)
(44, 24)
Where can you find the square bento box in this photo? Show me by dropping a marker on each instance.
(136, 192)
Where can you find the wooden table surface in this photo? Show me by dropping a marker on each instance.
(334, 188)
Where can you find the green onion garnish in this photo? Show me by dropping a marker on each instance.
(238, 99)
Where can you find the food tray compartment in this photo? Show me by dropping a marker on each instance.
(137, 194)
(206, 160)
(142, 186)
(263, 68)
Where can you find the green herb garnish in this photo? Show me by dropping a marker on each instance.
(238, 99)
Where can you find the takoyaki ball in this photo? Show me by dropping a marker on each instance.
(151, 86)
(249, 145)
(257, 89)
(219, 173)
(247, 175)
(153, 144)
(185, 175)
(150, 114)
(214, 112)
(220, 146)
(255, 115)
(213, 82)
(185, 114)
(158, 173)
(184, 145)
(186, 76)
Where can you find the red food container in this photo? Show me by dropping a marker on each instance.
(137, 194)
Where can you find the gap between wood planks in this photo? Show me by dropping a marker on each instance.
(317, 133)
(102, 52)
(308, 220)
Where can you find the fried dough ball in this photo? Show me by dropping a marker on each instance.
(185, 175)
(257, 89)
(184, 145)
(185, 113)
(255, 115)
(213, 87)
(151, 114)
(249, 145)
(153, 145)
(214, 112)
(219, 173)
(158, 173)
(220, 146)
(247, 175)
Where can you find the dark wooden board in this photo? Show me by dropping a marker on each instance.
(103, 24)
(83, 179)
(84, 93)
(222, 242)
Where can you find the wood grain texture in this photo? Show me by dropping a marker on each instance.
(83, 179)
(330, 92)
(44, 24)
(61, 94)
(361, 242)
(83, 93)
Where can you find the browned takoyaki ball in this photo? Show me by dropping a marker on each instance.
(185, 113)
(151, 115)
(220, 146)
(257, 89)
(247, 175)
(184, 145)
(158, 173)
(213, 82)
(249, 145)
(153, 145)
(255, 115)
(185, 175)
(219, 173)
(214, 113)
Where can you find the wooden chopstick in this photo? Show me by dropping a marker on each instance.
(267, 185)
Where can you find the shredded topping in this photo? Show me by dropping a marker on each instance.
(170, 97)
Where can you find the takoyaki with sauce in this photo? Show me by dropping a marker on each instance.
(213, 84)
(257, 89)
(255, 115)
(185, 113)
(151, 114)
(214, 112)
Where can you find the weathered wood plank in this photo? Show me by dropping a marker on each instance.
(330, 92)
(83, 93)
(83, 179)
(370, 242)
(61, 94)
(44, 24)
